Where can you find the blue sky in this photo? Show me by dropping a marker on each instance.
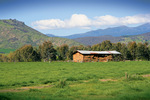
(66, 17)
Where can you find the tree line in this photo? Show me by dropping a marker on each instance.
(47, 52)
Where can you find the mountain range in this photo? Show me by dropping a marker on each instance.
(14, 34)
(114, 31)
(115, 34)
(123, 39)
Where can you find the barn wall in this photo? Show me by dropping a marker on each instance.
(97, 58)
(78, 57)
(88, 58)
(105, 59)
(91, 58)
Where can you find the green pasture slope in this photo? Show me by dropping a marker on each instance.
(6, 50)
(75, 81)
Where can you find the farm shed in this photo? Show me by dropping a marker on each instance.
(93, 56)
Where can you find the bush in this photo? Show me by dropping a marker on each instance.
(34, 90)
(72, 79)
(61, 84)
(46, 82)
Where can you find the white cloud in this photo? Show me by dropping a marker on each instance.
(83, 22)
(76, 20)
(79, 20)
(106, 20)
(127, 20)
(137, 19)
(49, 24)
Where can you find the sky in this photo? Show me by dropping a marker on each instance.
(67, 17)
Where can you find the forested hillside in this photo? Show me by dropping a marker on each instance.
(14, 34)
(124, 39)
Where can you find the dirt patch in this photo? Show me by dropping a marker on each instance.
(35, 87)
(10, 90)
(25, 88)
(85, 81)
(148, 75)
(105, 80)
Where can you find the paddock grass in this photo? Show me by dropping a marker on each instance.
(76, 81)
(6, 50)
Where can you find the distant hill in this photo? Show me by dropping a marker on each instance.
(14, 34)
(50, 35)
(115, 31)
(138, 38)
(125, 39)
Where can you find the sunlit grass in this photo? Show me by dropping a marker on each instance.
(76, 80)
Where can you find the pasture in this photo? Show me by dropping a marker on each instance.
(6, 50)
(75, 81)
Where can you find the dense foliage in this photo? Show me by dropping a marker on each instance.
(47, 52)
(130, 51)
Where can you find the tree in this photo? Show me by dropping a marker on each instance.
(118, 46)
(36, 55)
(47, 51)
(71, 51)
(106, 45)
(124, 51)
(17, 57)
(24, 54)
(88, 48)
(146, 51)
(3, 58)
(132, 48)
(62, 52)
(140, 51)
(149, 52)
(11, 57)
(81, 47)
(96, 47)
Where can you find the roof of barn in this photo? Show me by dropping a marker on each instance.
(98, 52)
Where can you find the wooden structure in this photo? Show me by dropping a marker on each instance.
(93, 56)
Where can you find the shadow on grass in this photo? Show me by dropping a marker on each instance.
(4, 97)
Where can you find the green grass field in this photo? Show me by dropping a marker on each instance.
(7, 50)
(75, 81)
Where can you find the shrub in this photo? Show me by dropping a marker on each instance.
(31, 81)
(16, 84)
(46, 82)
(72, 79)
(34, 90)
(61, 84)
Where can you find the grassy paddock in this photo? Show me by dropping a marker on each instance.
(76, 80)
(7, 50)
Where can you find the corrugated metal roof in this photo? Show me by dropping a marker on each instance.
(98, 52)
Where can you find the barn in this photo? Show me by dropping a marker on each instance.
(94, 56)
